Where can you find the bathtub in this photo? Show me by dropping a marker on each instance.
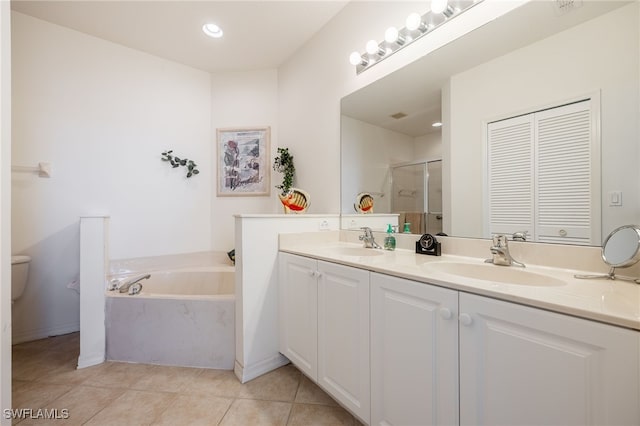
(181, 317)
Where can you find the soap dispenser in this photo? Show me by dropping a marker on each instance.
(390, 240)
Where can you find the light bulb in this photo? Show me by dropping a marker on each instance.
(212, 30)
(372, 47)
(391, 35)
(438, 6)
(355, 58)
(413, 21)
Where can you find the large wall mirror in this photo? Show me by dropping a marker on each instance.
(531, 60)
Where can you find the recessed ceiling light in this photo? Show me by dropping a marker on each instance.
(437, 124)
(212, 30)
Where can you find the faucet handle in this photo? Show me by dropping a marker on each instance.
(499, 240)
(519, 236)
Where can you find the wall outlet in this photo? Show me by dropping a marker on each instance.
(323, 226)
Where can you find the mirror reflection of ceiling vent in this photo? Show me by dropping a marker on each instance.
(566, 6)
(398, 115)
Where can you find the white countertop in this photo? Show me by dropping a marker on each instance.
(612, 302)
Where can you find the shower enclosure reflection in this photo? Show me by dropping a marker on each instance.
(416, 195)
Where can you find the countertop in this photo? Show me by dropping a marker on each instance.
(612, 302)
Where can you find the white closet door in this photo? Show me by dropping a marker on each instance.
(567, 175)
(510, 175)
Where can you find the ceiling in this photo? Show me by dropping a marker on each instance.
(257, 34)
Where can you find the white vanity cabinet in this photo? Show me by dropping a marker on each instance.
(324, 327)
(523, 366)
(414, 353)
(400, 352)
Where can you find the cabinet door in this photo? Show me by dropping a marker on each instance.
(525, 366)
(414, 353)
(298, 310)
(343, 336)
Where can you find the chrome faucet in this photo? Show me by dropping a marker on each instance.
(367, 238)
(126, 284)
(500, 252)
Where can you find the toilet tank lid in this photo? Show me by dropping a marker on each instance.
(20, 259)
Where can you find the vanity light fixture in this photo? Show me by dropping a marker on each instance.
(212, 30)
(416, 26)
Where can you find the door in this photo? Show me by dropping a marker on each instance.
(525, 366)
(343, 336)
(414, 353)
(298, 313)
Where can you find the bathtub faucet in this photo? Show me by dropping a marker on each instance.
(127, 283)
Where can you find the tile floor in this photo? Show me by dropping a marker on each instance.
(114, 393)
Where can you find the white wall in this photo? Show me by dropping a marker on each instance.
(429, 146)
(598, 55)
(242, 99)
(101, 114)
(366, 156)
(5, 208)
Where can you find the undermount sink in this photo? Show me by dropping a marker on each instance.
(356, 251)
(493, 273)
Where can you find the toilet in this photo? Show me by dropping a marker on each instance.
(19, 274)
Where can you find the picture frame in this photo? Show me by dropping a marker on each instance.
(243, 164)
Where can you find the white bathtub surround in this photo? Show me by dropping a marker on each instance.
(612, 302)
(256, 241)
(93, 263)
(172, 261)
(181, 318)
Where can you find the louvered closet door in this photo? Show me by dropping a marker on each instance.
(567, 176)
(510, 175)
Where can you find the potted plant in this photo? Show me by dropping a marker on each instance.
(294, 200)
(283, 163)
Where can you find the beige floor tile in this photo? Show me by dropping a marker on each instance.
(37, 395)
(133, 408)
(220, 383)
(32, 370)
(166, 379)
(310, 393)
(118, 374)
(245, 412)
(70, 375)
(194, 410)
(314, 414)
(81, 403)
(278, 385)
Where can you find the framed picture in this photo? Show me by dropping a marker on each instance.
(243, 161)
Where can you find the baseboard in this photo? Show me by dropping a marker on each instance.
(41, 333)
(250, 372)
(89, 361)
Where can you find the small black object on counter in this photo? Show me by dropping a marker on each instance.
(427, 244)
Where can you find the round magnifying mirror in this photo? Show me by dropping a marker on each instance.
(621, 248)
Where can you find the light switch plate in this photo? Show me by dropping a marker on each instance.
(615, 198)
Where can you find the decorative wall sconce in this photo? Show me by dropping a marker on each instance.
(416, 26)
